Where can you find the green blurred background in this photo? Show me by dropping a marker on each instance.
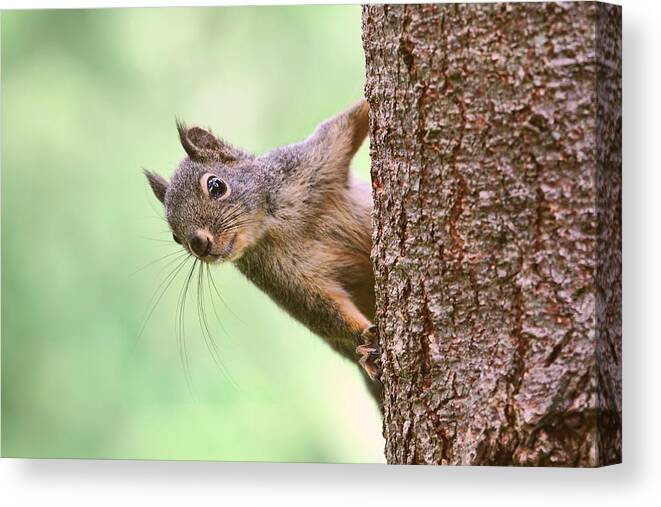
(89, 98)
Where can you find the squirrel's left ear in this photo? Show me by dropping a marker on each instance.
(158, 184)
(339, 138)
(202, 145)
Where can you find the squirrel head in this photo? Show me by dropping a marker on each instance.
(218, 199)
(212, 202)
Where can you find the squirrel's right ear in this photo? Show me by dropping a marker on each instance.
(202, 145)
(158, 184)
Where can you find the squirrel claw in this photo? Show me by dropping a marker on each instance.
(370, 353)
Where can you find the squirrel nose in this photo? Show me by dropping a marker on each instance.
(200, 243)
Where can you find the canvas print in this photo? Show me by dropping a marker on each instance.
(345, 234)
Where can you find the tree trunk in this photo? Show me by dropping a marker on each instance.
(495, 136)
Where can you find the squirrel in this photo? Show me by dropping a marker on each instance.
(294, 221)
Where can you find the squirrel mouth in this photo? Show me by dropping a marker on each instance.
(223, 254)
(228, 248)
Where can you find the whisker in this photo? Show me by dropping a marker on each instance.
(156, 298)
(213, 304)
(179, 251)
(158, 240)
(152, 217)
(227, 218)
(212, 284)
(229, 213)
(238, 218)
(181, 329)
(156, 212)
(237, 225)
(206, 332)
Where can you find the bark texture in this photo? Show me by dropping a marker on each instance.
(496, 164)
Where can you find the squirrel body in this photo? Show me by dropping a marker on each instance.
(294, 221)
(316, 265)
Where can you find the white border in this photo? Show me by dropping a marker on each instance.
(116, 483)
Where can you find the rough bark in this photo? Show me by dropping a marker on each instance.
(496, 165)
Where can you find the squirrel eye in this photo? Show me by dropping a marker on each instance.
(216, 187)
(176, 239)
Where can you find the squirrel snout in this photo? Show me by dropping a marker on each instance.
(200, 243)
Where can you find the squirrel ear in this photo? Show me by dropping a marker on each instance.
(158, 184)
(202, 145)
(357, 120)
(341, 136)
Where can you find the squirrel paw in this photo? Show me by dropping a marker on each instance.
(370, 352)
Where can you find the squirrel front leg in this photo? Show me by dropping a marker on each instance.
(359, 325)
